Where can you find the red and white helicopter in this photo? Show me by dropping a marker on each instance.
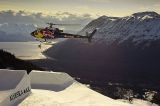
(53, 33)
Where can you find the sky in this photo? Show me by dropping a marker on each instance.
(94, 8)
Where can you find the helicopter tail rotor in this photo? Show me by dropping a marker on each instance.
(90, 35)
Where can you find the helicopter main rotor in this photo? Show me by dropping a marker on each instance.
(52, 24)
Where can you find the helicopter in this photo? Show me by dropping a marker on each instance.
(51, 32)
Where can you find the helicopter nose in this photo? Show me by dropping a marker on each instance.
(32, 33)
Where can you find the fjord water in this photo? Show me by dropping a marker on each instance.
(24, 50)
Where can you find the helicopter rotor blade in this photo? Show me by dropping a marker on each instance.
(64, 24)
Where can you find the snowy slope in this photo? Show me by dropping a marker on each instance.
(138, 27)
(72, 94)
(15, 86)
(16, 32)
(69, 97)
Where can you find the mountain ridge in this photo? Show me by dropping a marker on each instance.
(16, 32)
(138, 28)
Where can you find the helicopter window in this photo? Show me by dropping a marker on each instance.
(36, 33)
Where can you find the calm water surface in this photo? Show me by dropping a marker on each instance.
(25, 50)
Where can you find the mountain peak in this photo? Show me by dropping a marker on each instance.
(137, 28)
(107, 17)
(147, 13)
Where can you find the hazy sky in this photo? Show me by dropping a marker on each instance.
(93, 7)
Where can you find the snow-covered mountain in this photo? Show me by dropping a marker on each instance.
(133, 49)
(16, 32)
(137, 28)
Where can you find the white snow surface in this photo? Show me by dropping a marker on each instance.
(12, 83)
(60, 89)
(138, 27)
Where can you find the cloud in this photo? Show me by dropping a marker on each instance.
(157, 6)
(40, 19)
(152, 7)
(100, 1)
